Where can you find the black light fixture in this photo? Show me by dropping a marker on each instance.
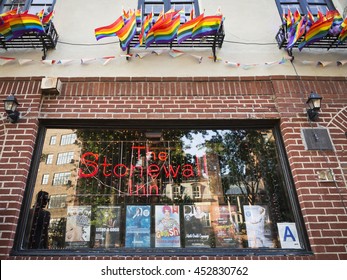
(10, 105)
(314, 103)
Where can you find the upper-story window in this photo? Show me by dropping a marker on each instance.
(33, 6)
(303, 6)
(158, 6)
(68, 139)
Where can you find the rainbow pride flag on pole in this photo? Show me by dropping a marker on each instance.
(5, 30)
(48, 18)
(166, 33)
(18, 24)
(343, 34)
(109, 30)
(185, 30)
(145, 28)
(163, 20)
(126, 34)
(209, 25)
(317, 31)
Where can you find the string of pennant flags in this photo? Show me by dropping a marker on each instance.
(173, 53)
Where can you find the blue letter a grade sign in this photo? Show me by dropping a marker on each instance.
(288, 236)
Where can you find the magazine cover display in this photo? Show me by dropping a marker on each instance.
(78, 226)
(197, 223)
(225, 226)
(258, 226)
(107, 223)
(138, 226)
(167, 226)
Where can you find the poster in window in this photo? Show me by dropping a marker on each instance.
(107, 222)
(167, 226)
(138, 226)
(197, 224)
(78, 226)
(225, 225)
(258, 226)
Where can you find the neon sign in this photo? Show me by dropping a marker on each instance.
(93, 163)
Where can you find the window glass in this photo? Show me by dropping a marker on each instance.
(180, 189)
(303, 6)
(8, 5)
(53, 140)
(33, 6)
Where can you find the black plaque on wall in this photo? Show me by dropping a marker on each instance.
(317, 139)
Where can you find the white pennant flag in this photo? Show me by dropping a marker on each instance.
(49, 61)
(107, 61)
(341, 62)
(64, 61)
(307, 62)
(22, 61)
(175, 53)
(233, 64)
(323, 63)
(141, 55)
(86, 60)
(158, 52)
(248, 66)
(5, 60)
(199, 58)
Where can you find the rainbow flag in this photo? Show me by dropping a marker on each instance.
(296, 31)
(41, 13)
(126, 34)
(162, 20)
(209, 25)
(310, 17)
(145, 27)
(297, 16)
(289, 18)
(22, 23)
(185, 30)
(343, 34)
(167, 32)
(191, 15)
(5, 30)
(138, 15)
(9, 13)
(109, 30)
(48, 18)
(32, 23)
(317, 31)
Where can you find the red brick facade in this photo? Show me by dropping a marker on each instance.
(323, 204)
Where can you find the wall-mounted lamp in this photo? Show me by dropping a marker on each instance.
(10, 105)
(314, 102)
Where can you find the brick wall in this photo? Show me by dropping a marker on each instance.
(323, 204)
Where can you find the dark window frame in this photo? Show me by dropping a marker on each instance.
(18, 250)
(167, 5)
(303, 4)
(25, 6)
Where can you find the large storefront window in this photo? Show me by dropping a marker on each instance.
(125, 190)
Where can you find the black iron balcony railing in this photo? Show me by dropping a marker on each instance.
(33, 40)
(328, 42)
(210, 41)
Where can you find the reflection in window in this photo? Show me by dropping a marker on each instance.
(68, 139)
(49, 159)
(64, 158)
(61, 178)
(45, 178)
(53, 140)
(207, 189)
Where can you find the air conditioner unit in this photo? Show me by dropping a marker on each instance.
(51, 86)
(63, 205)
